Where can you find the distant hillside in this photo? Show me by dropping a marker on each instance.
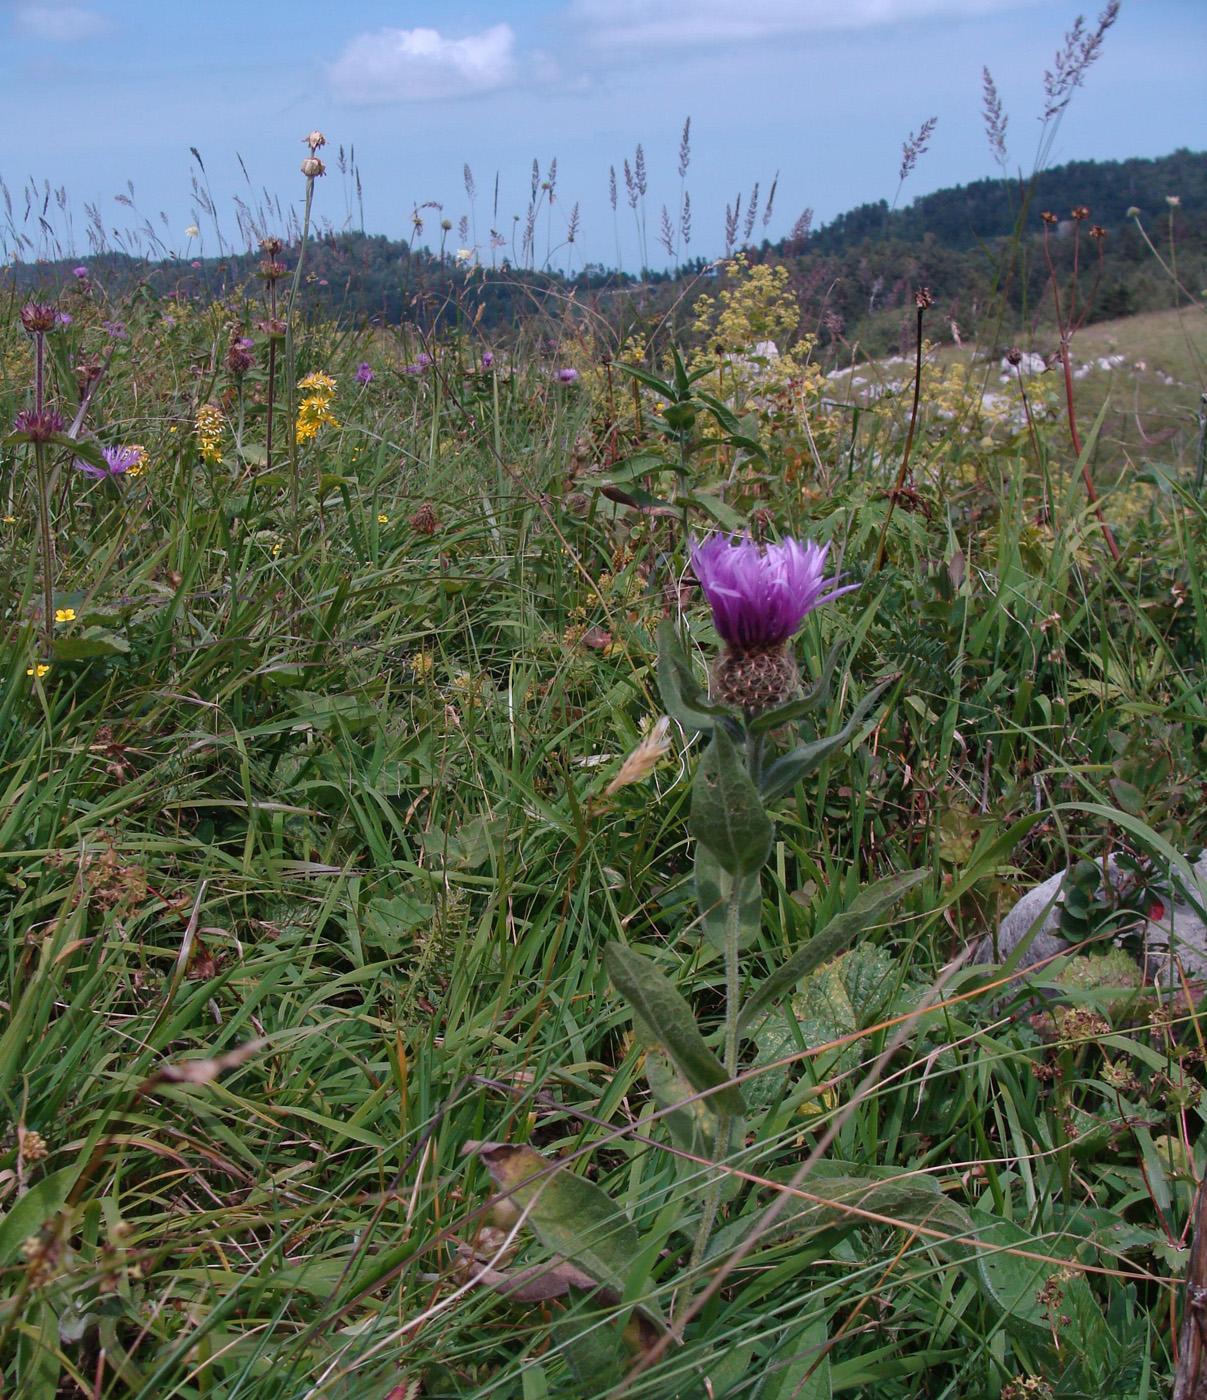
(966, 215)
(855, 277)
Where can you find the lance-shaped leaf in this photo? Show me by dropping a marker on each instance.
(663, 1018)
(692, 1125)
(868, 908)
(682, 697)
(727, 815)
(714, 888)
(817, 694)
(568, 1214)
(784, 774)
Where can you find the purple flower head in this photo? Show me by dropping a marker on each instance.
(413, 369)
(423, 359)
(488, 358)
(80, 273)
(41, 427)
(116, 330)
(63, 318)
(760, 594)
(567, 376)
(364, 373)
(38, 317)
(118, 460)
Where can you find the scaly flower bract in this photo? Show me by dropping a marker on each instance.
(760, 594)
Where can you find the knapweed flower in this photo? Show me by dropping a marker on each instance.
(116, 330)
(80, 273)
(38, 317)
(567, 376)
(40, 427)
(760, 595)
(364, 373)
(118, 461)
(488, 359)
(63, 318)
(208, 427)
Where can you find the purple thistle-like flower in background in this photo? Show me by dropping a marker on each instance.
(760, 595)
(80, 273)
(42, 426)
(567, 376)
(488, 359)
(118, 460)
(364, 373)
(423, 359)
(116, 330)
(63, 318)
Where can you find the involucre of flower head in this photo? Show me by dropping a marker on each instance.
(38, 317)
(41, 427)
(760, 594)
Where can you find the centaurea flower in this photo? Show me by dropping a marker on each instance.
(364, 373)
(118, 461)
(760, 595)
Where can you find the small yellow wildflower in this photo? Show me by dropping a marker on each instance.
(209, 432)
(172, 429)
(276, 549)
(10, 519)
(383, 519)
(64, 615)
(314, 412)
(421, 663)
(38, 671)
(319, 382)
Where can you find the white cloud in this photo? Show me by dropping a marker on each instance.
(421, 65)
(59, 24)
(632, 23)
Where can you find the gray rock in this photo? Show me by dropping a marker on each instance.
(1177, 939)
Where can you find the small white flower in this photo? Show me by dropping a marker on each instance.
(192, 231)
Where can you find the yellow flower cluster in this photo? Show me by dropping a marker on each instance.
(314, 412)
(209, 432)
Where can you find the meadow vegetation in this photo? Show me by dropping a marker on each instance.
(395, 1004)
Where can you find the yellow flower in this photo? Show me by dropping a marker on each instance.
(38, 671)
(318, 381)
(10, 519)
(209, 432)
(383, 519)
(172, 429)
(64, 615)
(276, 549)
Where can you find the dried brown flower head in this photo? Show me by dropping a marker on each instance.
(425, 520)
(923, 298)
(1080, 212)
(1048, 217)
(312, 168)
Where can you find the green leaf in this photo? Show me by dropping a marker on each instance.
(659, 386)
(713, 505)
(784, 774)
(662, 1017)
(87, 450)
(868, 908)
(90, 644)
(694, 1126)
(682, 697)
(804, 1371)
(714, 885)
(28, 1213)
(569, 1215)
(727, 815)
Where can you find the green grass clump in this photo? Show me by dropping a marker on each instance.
(306, 865)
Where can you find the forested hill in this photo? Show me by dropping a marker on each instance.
(965, 215)
(852, 277)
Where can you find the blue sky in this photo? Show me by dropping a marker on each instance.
(99, 92)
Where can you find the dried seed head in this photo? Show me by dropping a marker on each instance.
(1048, 217)
(273, 327)
(315, 140)
(754, 680)
(425, 520)
(270, 246)
(1014, 356)
(312, 167)
(1097, 232)
(1080, 212)
(644, 759)
(923, 298)
(272, 270)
